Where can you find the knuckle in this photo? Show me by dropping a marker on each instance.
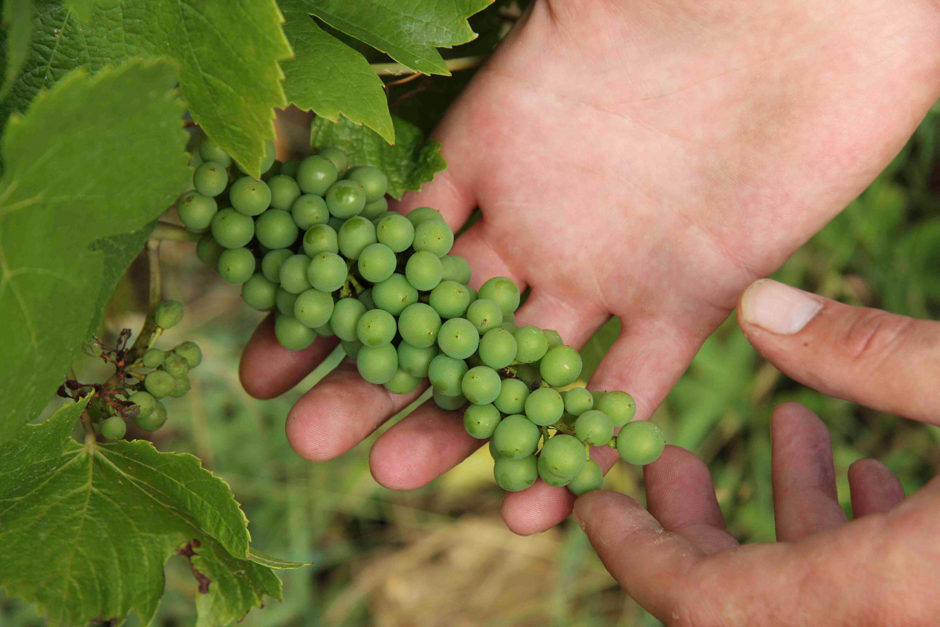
(875, 335)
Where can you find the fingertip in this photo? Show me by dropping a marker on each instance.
(537, 508)
(599, 508)
(788, 418)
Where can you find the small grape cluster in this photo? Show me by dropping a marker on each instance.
(314, 241)
(140, 379)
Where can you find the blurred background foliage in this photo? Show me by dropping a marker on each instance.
(441, 555)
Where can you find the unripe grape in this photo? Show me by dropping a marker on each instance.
(210, 179)
(446, 374)
(458, 338)
(416, 361)
(532, 344)
(578, 401)
(376, 328)
(590, 478)
(320, 238)
(345, 318)
(564, 455)
(284, 301)
(309, 210)
(327, 272)
(351, 348)
(434, 236)
(450, 299)
(232, 229)
(196, 211)
(372, 180)
(544, 407)
(249, 196)
(423, 214)
(561, 366)
(402, 383)
(594, 427)
(456, 268)
(113, 428)
(337, 157)
(480, 385)
(182, 387)
(424, 270)
(640, 443)
(448, 403)
(315, 175)
(419, 325)
(284, 191)
(497, 348)
(354, 235)
(210, 151)
(549, 477)
(512, 396)
(373, 210)
(516, 437)
(189, 351)
(514, 475)
(168, 314)
(394, 294)
(260, 293)
(276, 229)
(271, 264)
(485, 315)
(236, 265)
(159, 383)
(481, 421)
(289, 168)
(293, 274)
(208, 250)
(553, 337)
(395, 231)
(292, 334)
(377, 365)
(502, 290)
(153, 358)
(144, 401)
(313, 308)
(324, 330)
(377, 262)
(267, 162)
(175, 365)
(153, 421)
(345, 199)
(620, 406)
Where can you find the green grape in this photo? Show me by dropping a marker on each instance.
(289, 168)
(561, 366)
(434, 236)
(144, 401)
(549, 477)
(271, 264)
(337, 157)
(553, 337)
(182, 388)
(448, 403)
(175, 365)
(394, 294)
(515, 475)
(232, 229)
(424, 271)
(378, 364)
(236, 265)
(620, 406)
(597, 395)
(345, 318)
(196, 160)
(168, 314)
(485, 315)
(285, 302)
(456, 268)
(568, 419)
(402, 383)
(378, 219)
(502, 290)
(210, 151)
(309, 210)
(366, 298)
(415, 361)
(372, 180)
(516, 437)
(336, 223)
(497, 348)
(376, 328)
(276, 229)
(594, 427)
(509, 326)
(493, 452)
(532, 344)
(590, 478)
(458, 338)
(355, 234)
(260, 293)
(284, 191)
(509, 317)
(640, 443)
(327, 272)
(474, 295)
(423, 214)
(480, 421)
(153, 358)
(208, 250)
(396, 232)
(159, 383)
(113, 428)
(351, 348)
(313, 308)
(345, 199)
(564, 455)
(544, 407)
(578, 401)
(325, 330)
(269, 156)
(196, 211)
(377, 262)
(320, 238)
(450, 299)
(530, 374)
(419, 325)
(189, 351)
(154, 420)
(292, 334)
(293, 275)
(316, 174)
(446, 374)
(512, 396)
(210, 179)
(249, 196)
(480, 385)
(373, 210)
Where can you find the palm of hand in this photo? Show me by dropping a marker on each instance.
(641, 162)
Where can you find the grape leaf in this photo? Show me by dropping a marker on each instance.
(92, 159)
(409, 164)
(274, 562)
(82, 8)
(330, 78)
(225, 55)
(87, 528)
(409, 31)
(18, 24)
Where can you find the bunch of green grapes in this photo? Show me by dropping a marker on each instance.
(316, 243)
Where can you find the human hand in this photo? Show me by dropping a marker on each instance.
(644, 160)
(678, 561)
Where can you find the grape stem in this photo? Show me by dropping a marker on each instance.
(166, 232)
(453, 65)
(90, 438)
(150, 330)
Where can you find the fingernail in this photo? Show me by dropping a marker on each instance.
(778, 308)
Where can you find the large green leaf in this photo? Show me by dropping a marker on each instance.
(87, 528)
(93, 158)
(225, 55)
(18, 24)
(409, 164)
(330, 78)
(409, 31)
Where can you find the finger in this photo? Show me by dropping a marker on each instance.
(881, 360)
(875, 489)
(649, 562)
(576, 319)
(421, 447)
(478, 246)
(681, 496)
(267, 369)
(802, 474)
(339, 412)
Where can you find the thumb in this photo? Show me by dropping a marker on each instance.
(883, 361)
